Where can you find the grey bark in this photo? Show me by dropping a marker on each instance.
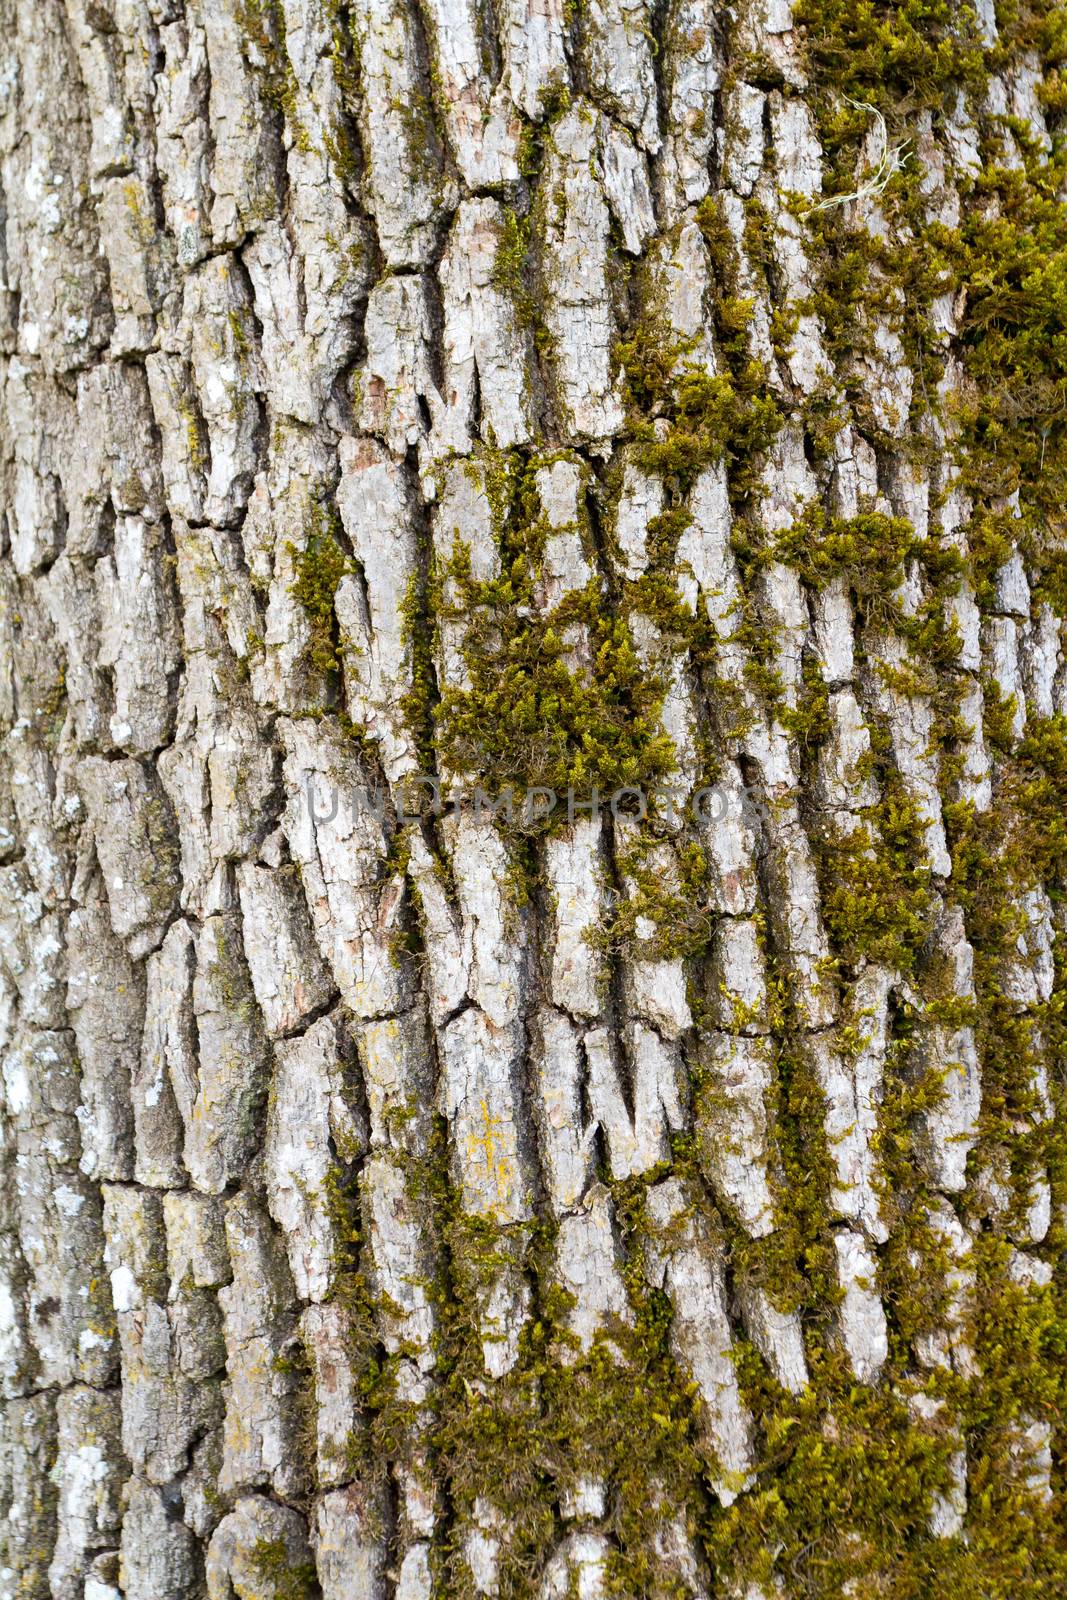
(250, 285)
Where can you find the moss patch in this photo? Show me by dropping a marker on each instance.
(534, 712)
(320, 566)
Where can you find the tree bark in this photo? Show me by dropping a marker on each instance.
(534, 746)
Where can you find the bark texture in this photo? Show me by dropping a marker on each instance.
(401, 1200)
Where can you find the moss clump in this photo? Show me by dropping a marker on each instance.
(712, 418)
(557, 697)
(685, 418)
(284, 1579)
(870, 550)
(1011, 252)
(620, 1411)
(676, 909)
(512, 272)
(874, 886)
(320, 566)
(846, 1479)
(894, 56)
(529, 718)
(1040, 794)
(553, 102)
(511, 251)
(420, 698)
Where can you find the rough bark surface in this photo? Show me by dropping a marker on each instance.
(401, 1200)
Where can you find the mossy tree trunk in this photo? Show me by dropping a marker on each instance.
(652, 415)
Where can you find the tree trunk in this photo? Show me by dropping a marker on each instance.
(534, 756)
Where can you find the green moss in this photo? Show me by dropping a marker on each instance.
(870, 550)
(528, 715)
(997, 855)
(420, 698)
(1011, 252)
(684, 417)
(553, 102)
(262, 24)
(891, 55)
(679, 914)
(874, 885)
(1040, 795)
(283, 1578)
(849, 1476)
(714, 417)
(620, 1411)
(418, 120)
(1003, 262)
(702, 418)
(320, 566)
(510, 266)
(380, 1429)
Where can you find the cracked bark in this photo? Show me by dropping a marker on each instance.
(344, 1156)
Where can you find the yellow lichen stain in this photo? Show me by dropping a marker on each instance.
(490, 1150)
